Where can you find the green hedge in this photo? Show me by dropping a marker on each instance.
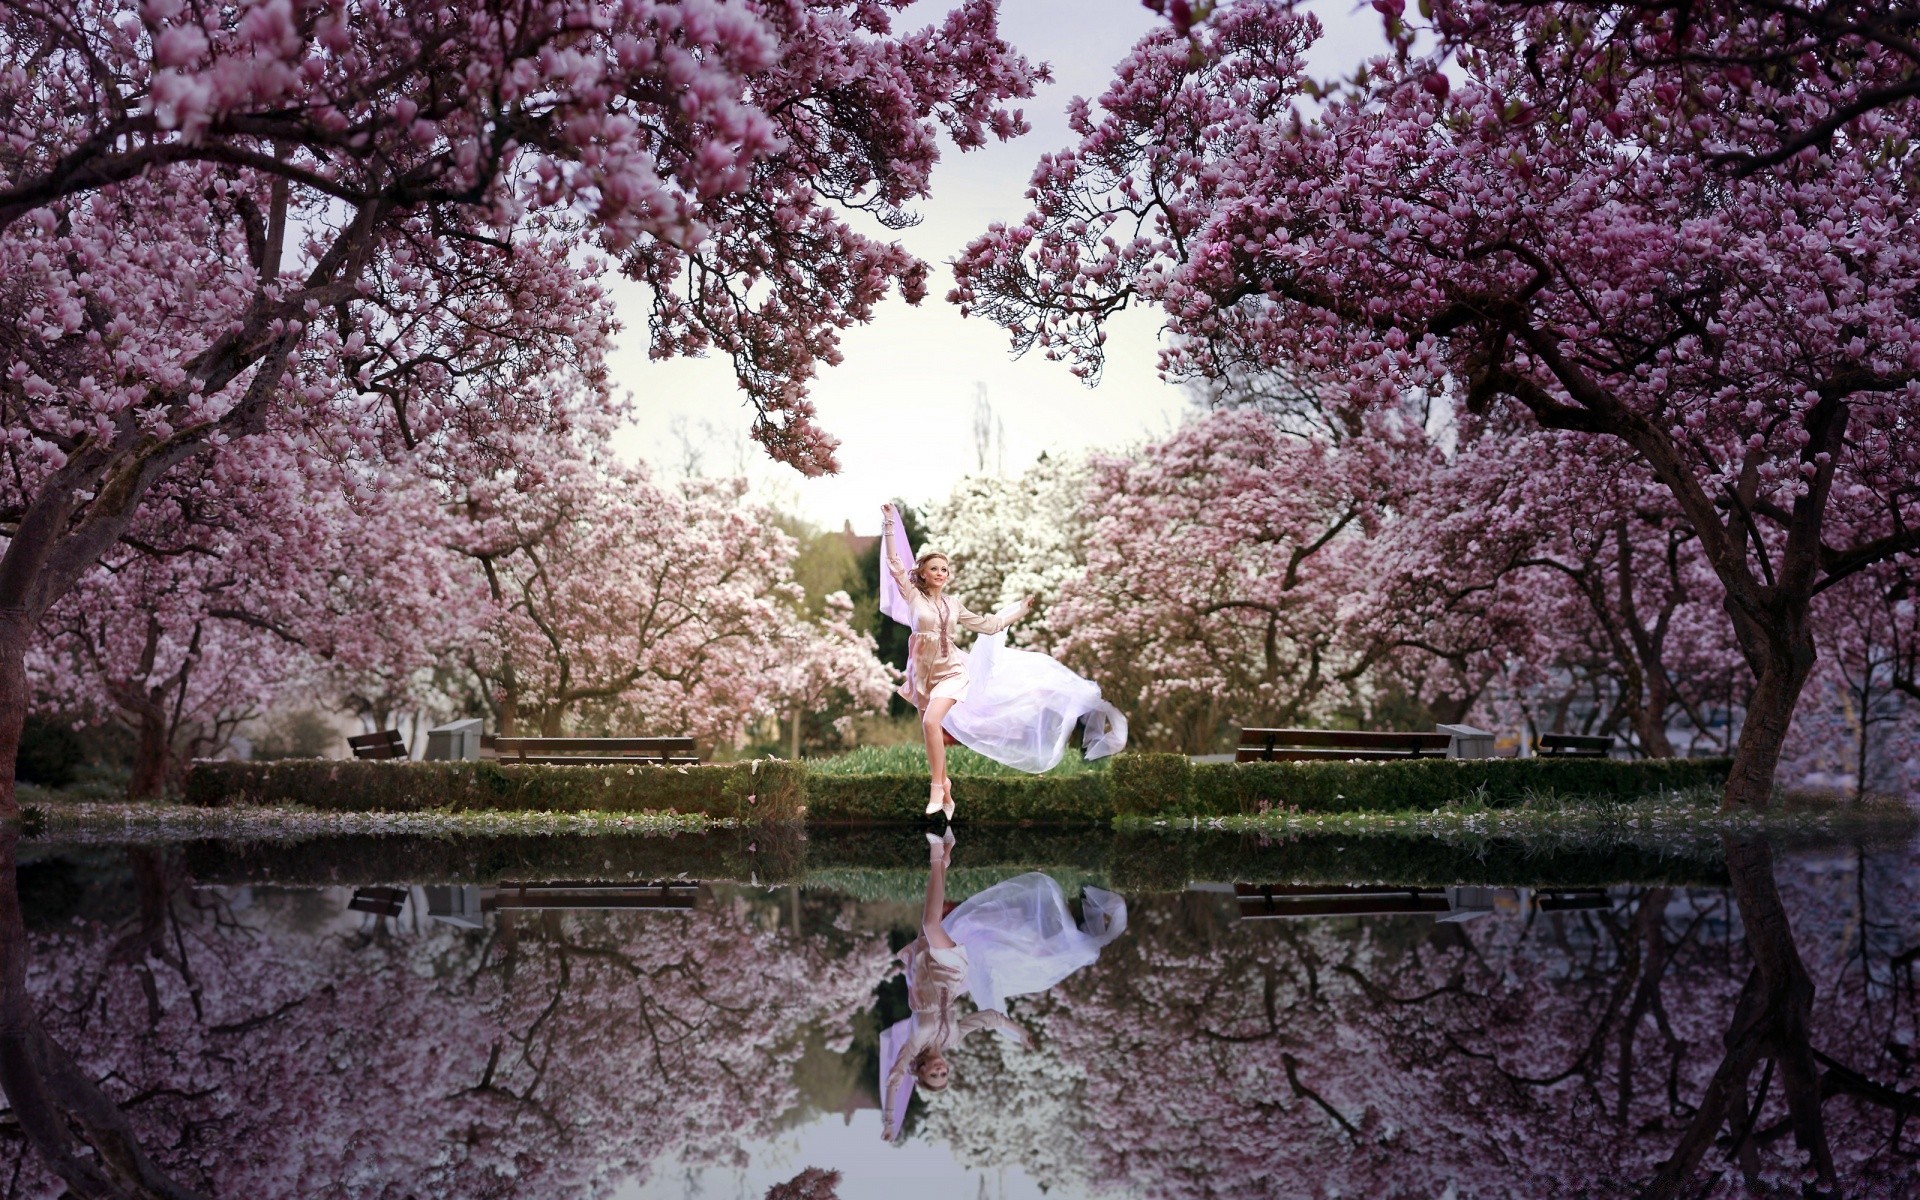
(1138, 784)
(1169, 785)
(765, 791)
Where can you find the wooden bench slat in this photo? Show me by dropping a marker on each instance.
(386, 743)
(1302, 745)
(1574, 745)
(1281, 754)
(1362, 738)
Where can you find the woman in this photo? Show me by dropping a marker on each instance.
(937, 677)
(1016, 938)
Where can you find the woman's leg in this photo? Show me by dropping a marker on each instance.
(936, 712)
(936, 906)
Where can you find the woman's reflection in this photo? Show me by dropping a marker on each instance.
(1015, 938)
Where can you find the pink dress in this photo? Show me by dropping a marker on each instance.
(936, 668)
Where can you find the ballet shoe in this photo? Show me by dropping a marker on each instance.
(936, 801)
(946, 806)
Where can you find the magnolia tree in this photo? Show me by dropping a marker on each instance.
(1018, 536)
(1218, 567)
(1860, 722)
(358, 215)
(620, 603)
(134, 643)
(1606, 600)
(1556, 228)
(827, 665)
(264, 573)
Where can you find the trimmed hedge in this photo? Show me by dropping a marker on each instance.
(764, 791)
(1083, 798)
(1167, 785)
(1138, 784)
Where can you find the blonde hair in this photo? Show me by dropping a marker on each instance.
(919, 1065)
(918, 574)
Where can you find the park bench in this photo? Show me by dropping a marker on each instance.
(1305, 745)
(383, 745)
(380, 901)
(1571, 899)
(592, 752)
(1264, 901)
(1573, 745)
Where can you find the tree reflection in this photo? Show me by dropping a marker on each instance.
(275, 1044)
(1672, 1042)
(81, 1135)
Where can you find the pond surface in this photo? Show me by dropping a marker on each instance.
(702, 1016)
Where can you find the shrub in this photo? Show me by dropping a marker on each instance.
(50, 752)
(759, 791)
(1151, 784)
(1420, 785)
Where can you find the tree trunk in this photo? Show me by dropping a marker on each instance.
(794, 754)
(1650, 725)
(80, 1134)
(151, 752)
(14, 630)
(1764, 732)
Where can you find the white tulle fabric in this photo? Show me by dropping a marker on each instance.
(1021, 706)
(1021, 940)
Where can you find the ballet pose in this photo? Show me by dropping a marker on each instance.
(1017, 707)
(937, 677)
(1015, 938)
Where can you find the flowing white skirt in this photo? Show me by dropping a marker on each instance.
(1021, 706)
(1021, 938)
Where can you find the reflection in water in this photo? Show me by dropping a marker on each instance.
(266, 1042)
(1015, 938)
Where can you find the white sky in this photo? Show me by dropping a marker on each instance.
(870, 1169)
(911, 377)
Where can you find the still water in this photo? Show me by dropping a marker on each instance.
(628, 1017)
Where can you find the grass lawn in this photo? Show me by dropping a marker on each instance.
(911, 759)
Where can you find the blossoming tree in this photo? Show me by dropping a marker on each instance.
(1601, 242)
(354, 211)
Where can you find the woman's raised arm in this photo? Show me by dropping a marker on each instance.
(891, 557)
